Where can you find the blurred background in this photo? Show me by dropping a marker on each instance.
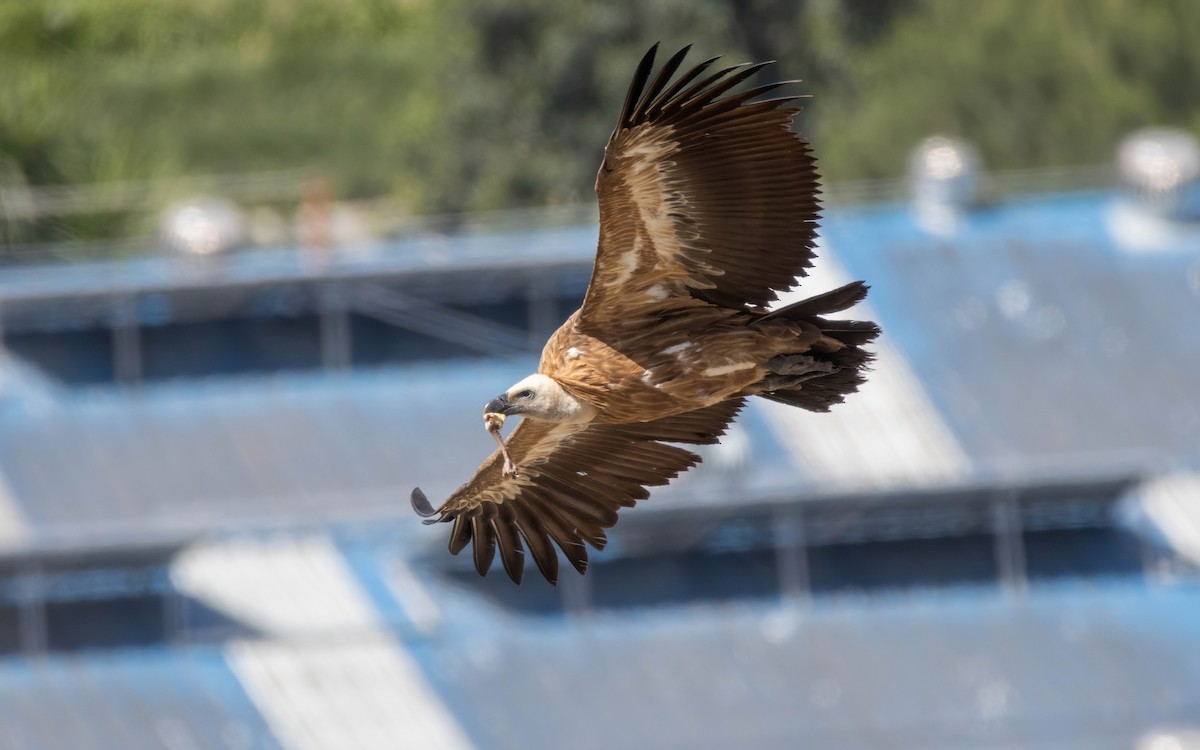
(262, 261)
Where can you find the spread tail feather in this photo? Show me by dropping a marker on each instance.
(842, 298)
(819, 392)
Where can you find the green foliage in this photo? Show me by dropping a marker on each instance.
(453, 105)
(528, 104)
(1031, 83)
(123, 89)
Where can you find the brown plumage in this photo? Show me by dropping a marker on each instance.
(708, 209)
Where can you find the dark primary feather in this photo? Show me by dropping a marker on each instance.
(851, 360)
(572, 483)
(632, 97)
(420, 503)
(654, 108)
(738, 189)
(833, 301)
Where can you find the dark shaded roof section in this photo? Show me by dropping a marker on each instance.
(926, 513)
(134, 700)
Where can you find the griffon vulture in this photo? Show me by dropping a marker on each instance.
(708, 209)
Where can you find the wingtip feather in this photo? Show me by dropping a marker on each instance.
(421, 504)
(503, 525)
(634, 95)
(652, 93)
(485, 546)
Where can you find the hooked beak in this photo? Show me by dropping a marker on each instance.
(500, 405)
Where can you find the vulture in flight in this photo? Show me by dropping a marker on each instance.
(708, 209)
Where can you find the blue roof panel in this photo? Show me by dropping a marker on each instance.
(1038, 339)
(1042, 346)
(128, 701)
(1067, 668)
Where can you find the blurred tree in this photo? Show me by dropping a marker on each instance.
(534, 91)
(460, 105)
(1031, 83)
(109, 90)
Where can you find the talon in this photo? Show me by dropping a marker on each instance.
(510, 468)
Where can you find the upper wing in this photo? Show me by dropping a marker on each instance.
(573, 478)
(702, 197)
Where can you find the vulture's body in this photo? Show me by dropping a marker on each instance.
(708, 209)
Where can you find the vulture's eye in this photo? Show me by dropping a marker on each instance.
(525, 394)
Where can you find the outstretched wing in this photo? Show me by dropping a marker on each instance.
(703, 197)
(572, 481)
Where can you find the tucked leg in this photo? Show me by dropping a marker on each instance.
(799, 364)
(787, 382)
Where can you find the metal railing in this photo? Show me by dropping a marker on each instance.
(387, 218)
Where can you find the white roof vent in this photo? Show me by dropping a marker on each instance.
(945, 175)
(1160, 171)
(203, 227)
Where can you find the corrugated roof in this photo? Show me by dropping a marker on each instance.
(1068, 669)
(188, 456)
(147, 699)
(1080, 667)
(1026, 344)
(328, 674)
(1042, 344)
